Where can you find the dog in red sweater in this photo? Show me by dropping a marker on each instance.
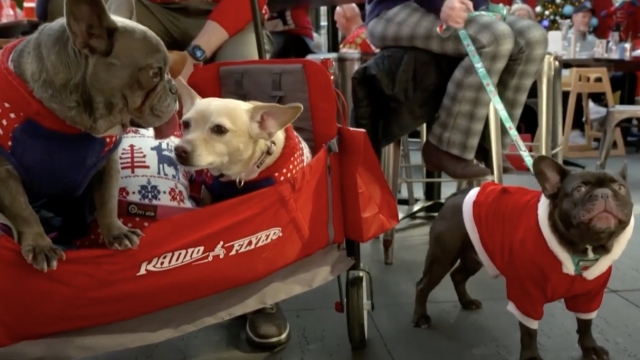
(558, 243)
(242, 146)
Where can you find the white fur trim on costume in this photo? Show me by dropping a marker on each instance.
(563, 255)
(472, 230)
(587, 316)
(529, 322)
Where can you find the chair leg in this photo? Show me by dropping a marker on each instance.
(408, 169)
(496, 143)
(391, 169)
(606, 143)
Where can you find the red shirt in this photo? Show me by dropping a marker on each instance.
(294, 21)
(231, 15)
(358, 41)
(510, 230)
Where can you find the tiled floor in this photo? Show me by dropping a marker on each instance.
(319, 333)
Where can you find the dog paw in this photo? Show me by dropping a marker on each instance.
(595, 353)
(422, 321)
(120, 237)
(471, 304)
(530, 355)
(41, 253)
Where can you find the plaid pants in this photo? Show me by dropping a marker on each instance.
(512, 52)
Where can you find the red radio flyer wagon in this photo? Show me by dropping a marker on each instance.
(214, 263)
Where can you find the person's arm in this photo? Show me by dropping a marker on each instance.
(227, 19)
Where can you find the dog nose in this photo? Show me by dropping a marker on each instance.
(173, 89)
(601, 194)
(181, 152)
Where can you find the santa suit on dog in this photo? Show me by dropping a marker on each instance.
(294, 155)
(51, 157)
(509, 228)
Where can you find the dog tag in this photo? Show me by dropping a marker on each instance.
(585, 264)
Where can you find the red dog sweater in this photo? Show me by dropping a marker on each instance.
(51, 157)
(509, 228)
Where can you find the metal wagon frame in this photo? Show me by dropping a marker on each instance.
(356, 298)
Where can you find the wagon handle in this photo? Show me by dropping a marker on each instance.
(257, 28)
(342, 107)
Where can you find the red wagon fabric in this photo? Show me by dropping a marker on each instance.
(201, 252)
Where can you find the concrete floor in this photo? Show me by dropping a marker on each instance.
(319, 333)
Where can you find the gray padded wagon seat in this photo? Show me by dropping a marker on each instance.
(399, 90)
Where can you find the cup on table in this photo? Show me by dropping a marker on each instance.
(600, 49)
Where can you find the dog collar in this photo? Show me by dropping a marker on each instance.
(255, 169)
(582, 264)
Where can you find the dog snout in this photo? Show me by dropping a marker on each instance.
(181, 153)
(601, 194)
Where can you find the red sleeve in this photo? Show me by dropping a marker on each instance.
(526, 300)
(586, 304)
(235, 15)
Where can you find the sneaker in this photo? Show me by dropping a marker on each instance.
(577, 138)
(267, 328)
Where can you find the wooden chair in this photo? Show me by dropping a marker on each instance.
(584, 81)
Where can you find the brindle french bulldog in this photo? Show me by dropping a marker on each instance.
(555, 244)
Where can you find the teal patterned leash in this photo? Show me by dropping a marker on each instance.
(499, 11)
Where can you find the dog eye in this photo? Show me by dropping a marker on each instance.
(621, 188)
(579, 189)
(156, 73)
(185, 125)
(219, 130)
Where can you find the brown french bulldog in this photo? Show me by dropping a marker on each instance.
(555, 244)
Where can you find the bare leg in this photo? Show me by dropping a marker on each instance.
(529, 343)
(590, 349)
(436, 268)
(36, 247)
(469, 265)
(105, 190)
(448, 240)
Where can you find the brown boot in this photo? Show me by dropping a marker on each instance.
(436, 159)
(483, 155)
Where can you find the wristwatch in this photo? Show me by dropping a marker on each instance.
(197, 53)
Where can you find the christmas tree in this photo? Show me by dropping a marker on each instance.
(550, 11)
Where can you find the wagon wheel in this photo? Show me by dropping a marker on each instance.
(358, 307)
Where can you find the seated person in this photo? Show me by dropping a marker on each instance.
(292, 33)
(624, 82)
(523, 11)
(349, 22)
(512, 52)
(219, 30)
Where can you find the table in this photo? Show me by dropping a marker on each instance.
(618, 65)
(612, 65)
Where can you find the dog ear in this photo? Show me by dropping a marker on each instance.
(178, 63)
(550, 174)
(188, 96)
(268, 119)
(623, 171)
(90, 26)
(123, 8)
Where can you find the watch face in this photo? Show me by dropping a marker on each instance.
(197, 53)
